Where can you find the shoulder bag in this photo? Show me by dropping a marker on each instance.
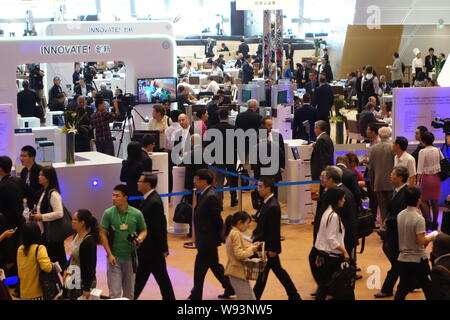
(445, 167)
(183, 212)
(342, 283)
(60, 229)
(50, 282)
(365, 226)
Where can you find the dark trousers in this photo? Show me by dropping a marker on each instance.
(208, 258)
(325, 273)
(275, 265)
(393, 273)
(57, 253)
(153, 263)
(106, 147)
(312, 264)
(411, 275)
(398, 84)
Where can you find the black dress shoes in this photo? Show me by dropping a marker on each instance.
(226, 295)
(381, 295)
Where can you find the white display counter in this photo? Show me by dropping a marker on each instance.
(88, 183)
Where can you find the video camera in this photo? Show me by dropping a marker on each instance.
(442, 123)
(128, 99)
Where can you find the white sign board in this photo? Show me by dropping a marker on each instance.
(103, 28)
(7, 120)
(413, 107)
(264, 4)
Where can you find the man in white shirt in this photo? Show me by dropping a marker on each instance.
(187, 69)
(185, 84)
(417, 64)
(183, 132)
(213, 86)
(404, 159)
(175, 126)
(216, 71)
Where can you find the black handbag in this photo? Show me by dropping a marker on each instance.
(50, 282)
(183, 212)
(60, 229)
(365, 226)
(243, 172)
(445, 169)
(342, 283)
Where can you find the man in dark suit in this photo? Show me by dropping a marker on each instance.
(323, 150)
(213, 107)
(209, 48)
(243, 48)
(348, 213)
(273, 140)
(247, 70)
(359, 92)
(302, 75)
(223, 126)
(366, 117)
(27, 101)
(148, 144)
(268, 231)
(54, 91)
(399, 178)
(325, 68)
(250, 119)
(349, 178)
(12, 192)
(30, 175)
(153, 251)
(312, 85)
(305, 113)
(324, 99)
(83, 89)
(208, 236)
(430, 61)
(106, 93)
(182, 98)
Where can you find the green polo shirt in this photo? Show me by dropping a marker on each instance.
(112, 217)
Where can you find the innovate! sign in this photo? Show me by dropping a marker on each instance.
(74, 49)
(264, 4)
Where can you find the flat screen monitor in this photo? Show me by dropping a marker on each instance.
(295, 153)
(246, 95)
(282, 97)
(156, 90)
(139, 134)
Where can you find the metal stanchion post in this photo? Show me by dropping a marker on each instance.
(240, 192)
(191, 245)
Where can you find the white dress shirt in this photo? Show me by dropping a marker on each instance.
(212, 87)
(429, 160)
(184, 135)
(329, 237)
(187, 70)
(148, 194)
(406, 160)
(416, 63)
(169, 135)
(217, 72)
(268, 198)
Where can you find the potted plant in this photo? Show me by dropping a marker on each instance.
(317, 43)
(438, 67)
(338, 118)
(71, 122)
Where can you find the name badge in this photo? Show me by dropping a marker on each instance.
(123, 227)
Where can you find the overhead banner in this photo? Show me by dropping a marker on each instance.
(264, 4)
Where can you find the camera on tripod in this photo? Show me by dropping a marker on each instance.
(442, 123)
(89, 72)
(129, 100)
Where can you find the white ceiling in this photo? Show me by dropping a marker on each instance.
(407, 12)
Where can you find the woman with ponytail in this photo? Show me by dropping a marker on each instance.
(237, 251)
(79, 279)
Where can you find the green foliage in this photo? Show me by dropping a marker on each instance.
(71, 121)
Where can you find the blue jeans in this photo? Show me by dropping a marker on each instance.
(121, 278)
